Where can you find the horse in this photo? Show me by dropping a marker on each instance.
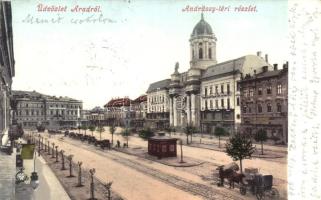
(235, 177)
(224, 174)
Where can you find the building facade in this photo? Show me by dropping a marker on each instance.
(139, 109)
(7, 70)
(264, 103)
(118, 112)
(207, 95)
(157, 116)
(33, 108)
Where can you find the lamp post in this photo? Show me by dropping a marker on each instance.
(34, 180)
(53, 150)
(92, 189)
(49, 148)
(45, 144)
(56, 153)
(181, 144)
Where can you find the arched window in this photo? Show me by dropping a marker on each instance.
(269, 107)
(279, 107)
(210, 53)
(193, 54)
(259, 108)
(200, 53)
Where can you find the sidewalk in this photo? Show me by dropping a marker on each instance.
(7, 176)
(49, 186)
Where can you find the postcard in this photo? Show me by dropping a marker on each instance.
(155, 100)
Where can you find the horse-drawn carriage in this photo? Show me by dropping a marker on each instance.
(259, 185)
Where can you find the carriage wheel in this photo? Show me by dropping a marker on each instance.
(272, 194)
(243, 190)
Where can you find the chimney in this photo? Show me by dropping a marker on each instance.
(285, 65)
(259, 53)
(265, 68)
(275, 67)
(266, 58)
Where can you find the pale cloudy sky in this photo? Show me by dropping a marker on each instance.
(94, 62)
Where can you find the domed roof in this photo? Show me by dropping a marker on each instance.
(202, 28)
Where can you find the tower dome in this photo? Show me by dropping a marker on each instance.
(202, 45)
(202, 28)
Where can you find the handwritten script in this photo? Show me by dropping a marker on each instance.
(304, 101)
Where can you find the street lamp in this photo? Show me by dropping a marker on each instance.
(34, 182)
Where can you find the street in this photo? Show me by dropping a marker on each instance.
(117, 167)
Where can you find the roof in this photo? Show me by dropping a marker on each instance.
(202, 28)
(159, 85)
(118, 102)
(162, 138)
(267, 74)
(38, 96)
(245, 64)
(140, 99)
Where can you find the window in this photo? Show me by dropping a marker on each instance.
(245, 93)
(27, 112)
(211, 104)
(228, 88)
(193, 54)
(251, 92)
(244, 109)
(200, 53)
(250, 109)
(269, 90)
(211, 90)
(222, 88)
(238, 101)
(205, 91)
(216, 103)
(238, 116)
(222, 103)
(205, 104)
(27, 105)
(259, 108)
(210, 53)
(216, 89)
(228, 103)
(259, 91)
(238, 86)
(279, 107)
(269, 107)
(279, 89)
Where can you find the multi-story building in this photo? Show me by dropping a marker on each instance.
(33, 108)
(206, 95)
(7, 70)
(118, 112)
(96, 116)
(264, 102)
(139, 109)
(220, 94)
(158, 105)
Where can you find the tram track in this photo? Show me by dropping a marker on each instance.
(194, 188)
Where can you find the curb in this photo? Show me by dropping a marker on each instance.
(164, 163)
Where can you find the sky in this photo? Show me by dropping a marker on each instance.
(138, 43)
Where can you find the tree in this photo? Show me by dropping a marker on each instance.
(261, 136)
(169, 130)
(125, 133)
(239, 148)
(146, 133)
(92, 128)
(219, 131)
(112, 130)
(100, 130)
(84, 127)
(188, 130)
